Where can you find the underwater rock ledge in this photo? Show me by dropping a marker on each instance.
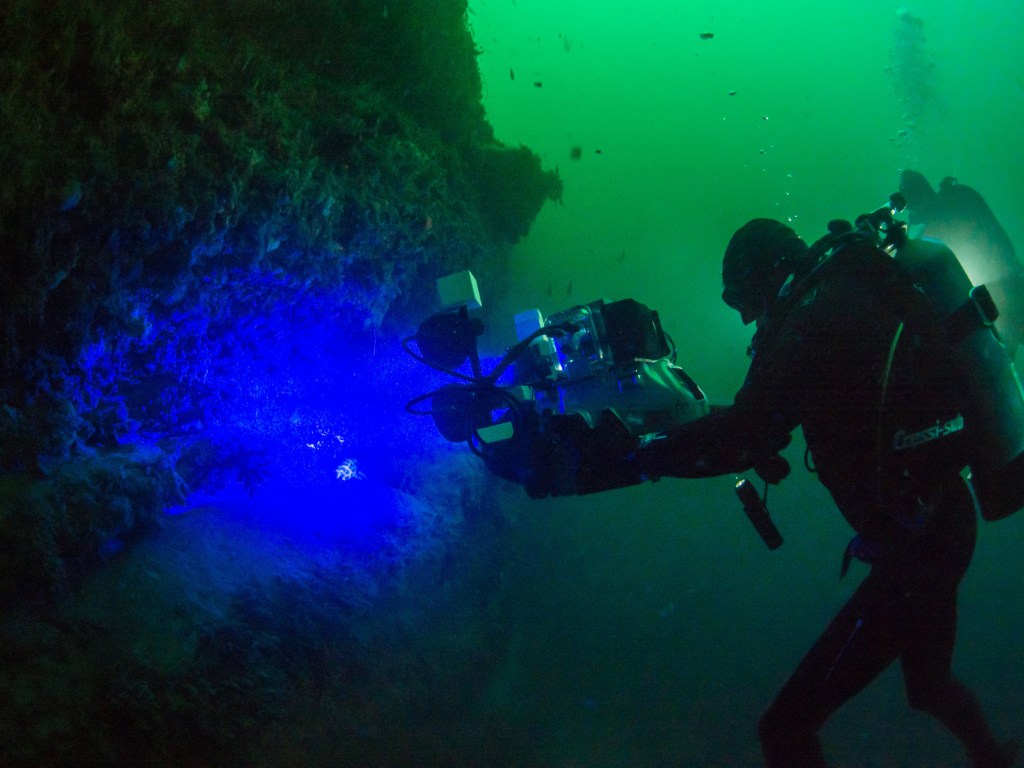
(217, 218)
(194, 189)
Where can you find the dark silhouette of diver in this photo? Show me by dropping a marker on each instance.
(849, 350)
(959, 216)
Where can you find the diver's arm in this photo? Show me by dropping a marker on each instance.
(729, 440)
(751, 432)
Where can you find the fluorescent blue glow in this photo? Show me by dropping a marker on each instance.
(281, 407)
(355, 516)
(317, 440)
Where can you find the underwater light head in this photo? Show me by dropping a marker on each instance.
(448, 339)
(461, 411)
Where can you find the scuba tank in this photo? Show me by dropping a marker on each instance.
(993, 401)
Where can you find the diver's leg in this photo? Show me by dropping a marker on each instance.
(929, 628)
(932, 688)
(852, 651)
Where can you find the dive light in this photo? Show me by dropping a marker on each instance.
(757, 513)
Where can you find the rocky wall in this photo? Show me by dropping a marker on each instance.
(217, 219)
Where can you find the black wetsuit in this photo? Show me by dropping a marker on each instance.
(848, 358)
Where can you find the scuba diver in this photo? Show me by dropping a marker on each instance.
(959, 216)
(846, 348)
(875, 344)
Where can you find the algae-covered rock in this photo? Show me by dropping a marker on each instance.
(217, 218)
(223, 642)
(53, 529)
(204, 202)
(174, 170)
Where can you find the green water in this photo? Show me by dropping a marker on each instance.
(652, 625)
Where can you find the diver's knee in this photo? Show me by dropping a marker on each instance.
(922, 700)
(788, 741)
(931, 698)
(775, 725)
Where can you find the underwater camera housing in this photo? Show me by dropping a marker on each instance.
(576, 391)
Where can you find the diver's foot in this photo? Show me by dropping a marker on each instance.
(1003, 756)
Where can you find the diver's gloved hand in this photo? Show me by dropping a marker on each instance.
(579, 459)
(548, 466)
(725, 441)
(608, 457)
(765, 458)
(773, 469)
